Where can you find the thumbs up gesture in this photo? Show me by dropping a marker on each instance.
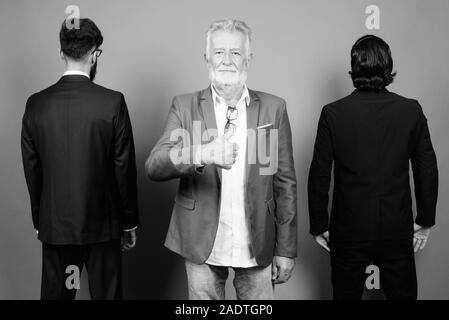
(220, 152)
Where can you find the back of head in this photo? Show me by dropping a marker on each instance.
(76, 43)
(371, 64)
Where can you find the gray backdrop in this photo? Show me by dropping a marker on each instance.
(154, 50)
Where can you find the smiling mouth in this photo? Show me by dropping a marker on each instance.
(233, 71)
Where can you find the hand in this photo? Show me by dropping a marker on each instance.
(420, 237)
(281, 269)
(323, 240)
(129, 240)
(220, 152)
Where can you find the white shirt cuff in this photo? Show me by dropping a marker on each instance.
(197, 157)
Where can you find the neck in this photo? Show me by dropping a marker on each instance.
(230, 93)
(77, 66)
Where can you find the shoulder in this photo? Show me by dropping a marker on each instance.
(111, 100)
(269, 99)
(94, 88)
(407, 107)
(34, 97)
(106, 92)
(185, 102)
(396, 103)
(339, 103)
(185, 99)
(406, 101)
(37, 98)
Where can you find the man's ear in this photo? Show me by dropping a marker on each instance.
(250, 57)
(205, 58)
(61, 54)
(248, 60)
(93, 56)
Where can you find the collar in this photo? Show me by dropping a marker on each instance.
(75, 72)
(370, 92)
(245, 95)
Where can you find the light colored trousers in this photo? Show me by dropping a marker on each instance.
(207, 282)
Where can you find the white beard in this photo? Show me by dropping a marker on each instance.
(227, 82)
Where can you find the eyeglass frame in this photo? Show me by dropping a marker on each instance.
(229, 120)
(97, 52)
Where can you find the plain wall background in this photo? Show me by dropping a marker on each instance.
(154, 49)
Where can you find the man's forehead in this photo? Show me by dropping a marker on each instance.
(224, 37)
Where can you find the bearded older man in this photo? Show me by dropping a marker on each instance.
(241, 217)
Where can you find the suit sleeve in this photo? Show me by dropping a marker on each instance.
(32, 165)
(320, 177)
(125, 166)
(285, 194)
(425, 173)
(172, 157)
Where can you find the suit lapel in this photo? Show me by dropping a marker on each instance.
(207, 110)
(252, 120)
(208, 113)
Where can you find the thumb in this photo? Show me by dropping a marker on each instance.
(228, 134)
(416, 227)
(133, 237)
(274, 271)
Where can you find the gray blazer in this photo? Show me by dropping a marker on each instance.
(270, 200)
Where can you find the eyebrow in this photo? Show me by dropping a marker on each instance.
(232, 49)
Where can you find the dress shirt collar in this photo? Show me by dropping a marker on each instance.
(75, 72)
(219, 100)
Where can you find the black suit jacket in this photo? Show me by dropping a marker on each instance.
(370, 137)
(79, 162)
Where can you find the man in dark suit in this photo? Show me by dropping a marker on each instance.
(370, 136)
(243, 217)
(79, 163)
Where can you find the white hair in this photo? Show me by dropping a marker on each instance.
(229, 25)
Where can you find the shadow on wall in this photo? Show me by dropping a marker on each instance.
(151, 271)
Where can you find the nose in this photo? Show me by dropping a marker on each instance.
(227, 59)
